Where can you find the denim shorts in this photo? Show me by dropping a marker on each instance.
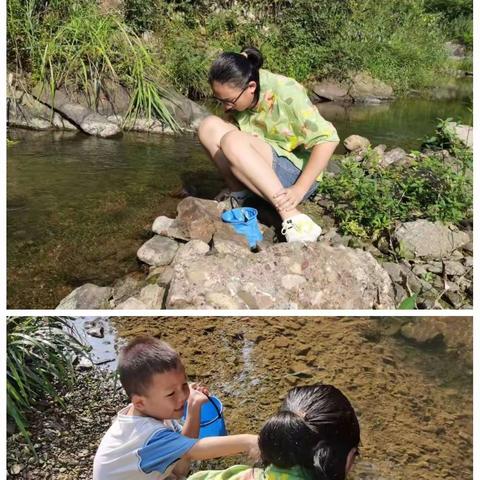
(288, 173)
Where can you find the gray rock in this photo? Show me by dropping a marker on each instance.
(80, 115)
(454, 298)
(286, 276)
(423, 238)
(160, 275)
(85, 364)
(158, 251)
(131, 303)
(394, 270)
(332, 90)
(422, 332)
(434, 267)
(161, 225)
(26, 111)
(364, 88)
(468, 247)
(454, 268)
(468, 262)
(393, 156)
(190, 250)
(152, 296)
(355, 142)
(419, 270)
(229, 247)
(455, 50)
(200, 219)
(97, 331)
(127, 287)
(91, 122)
(463, 132)
(86, 297)
(400, 293)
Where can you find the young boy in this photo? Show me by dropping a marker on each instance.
(145, 441)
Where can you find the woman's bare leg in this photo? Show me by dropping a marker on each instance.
(250, 161)
(210, 132)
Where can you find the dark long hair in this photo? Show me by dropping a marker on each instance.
(237, 69)
(315, 428)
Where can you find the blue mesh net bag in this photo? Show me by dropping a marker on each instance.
(244, 221)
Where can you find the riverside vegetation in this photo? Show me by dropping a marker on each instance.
(147, 45)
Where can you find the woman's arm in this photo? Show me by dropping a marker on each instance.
(317, 162)
(289, 198)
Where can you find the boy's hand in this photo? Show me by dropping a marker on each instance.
(198, 395)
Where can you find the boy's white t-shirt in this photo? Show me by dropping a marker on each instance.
(140, 448)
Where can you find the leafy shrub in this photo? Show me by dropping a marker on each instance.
(369, 199)
(396, 41)
(457, 17)
(140, 14)
(461, 29)
(40, 355)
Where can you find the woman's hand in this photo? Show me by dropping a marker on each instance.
(288, 198)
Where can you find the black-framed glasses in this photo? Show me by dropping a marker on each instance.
(230, 102)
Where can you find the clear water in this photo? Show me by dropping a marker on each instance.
(414, 401)
(79, 207)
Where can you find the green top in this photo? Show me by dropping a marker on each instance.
(239, 472)
(286, 119)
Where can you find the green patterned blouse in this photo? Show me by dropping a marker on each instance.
(286, 119)
(241, 472)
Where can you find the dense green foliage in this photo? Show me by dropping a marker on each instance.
(399, 41)
(395, 41)
(40, 355)
(74, 45)
(457, 16)
(368, 199)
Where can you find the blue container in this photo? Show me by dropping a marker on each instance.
(244, 221)
(212, 423)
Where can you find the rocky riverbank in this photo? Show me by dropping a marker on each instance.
(37, 109)
(197, 261)
(408, 378)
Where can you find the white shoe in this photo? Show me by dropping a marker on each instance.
(301, 228)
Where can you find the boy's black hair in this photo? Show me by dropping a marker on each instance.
(315, 428)
(142, 358)
(237, 69)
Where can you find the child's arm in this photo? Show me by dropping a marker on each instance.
(198, 396)
(214, 447)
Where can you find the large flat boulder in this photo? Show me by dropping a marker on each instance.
(285, 276)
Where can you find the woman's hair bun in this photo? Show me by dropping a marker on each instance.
(254, 57)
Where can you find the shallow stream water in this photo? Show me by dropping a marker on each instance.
(414, 401)
(78, 207)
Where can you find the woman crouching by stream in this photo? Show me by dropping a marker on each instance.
(281, 144)
(314, 436)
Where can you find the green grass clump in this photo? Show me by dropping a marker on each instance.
(369, 199)
(40, 356)
(75, 46)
